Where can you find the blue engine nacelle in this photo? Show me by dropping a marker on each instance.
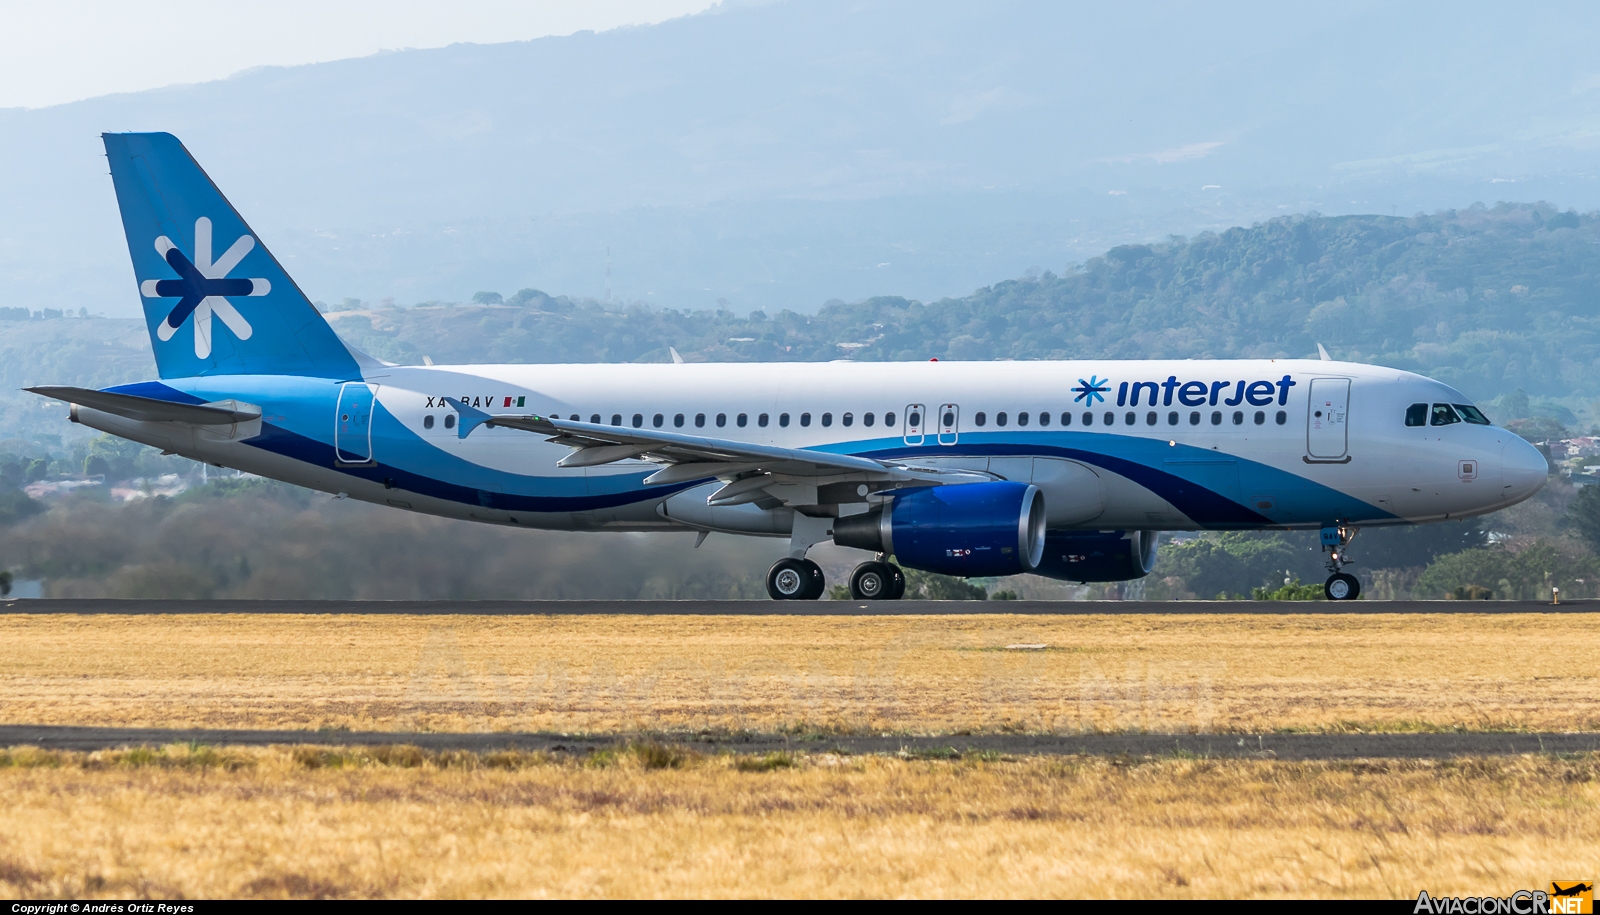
(1098, 555)
(966, 529)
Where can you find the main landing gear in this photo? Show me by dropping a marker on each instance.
(877, 580)
(798, 578)
(795, 579)
(802, 579)
(1340, 585)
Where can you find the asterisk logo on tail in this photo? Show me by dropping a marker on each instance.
(203, 287)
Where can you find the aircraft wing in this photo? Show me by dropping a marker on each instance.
(750, 469)
(148, 409)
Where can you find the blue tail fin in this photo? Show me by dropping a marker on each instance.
(215, 300)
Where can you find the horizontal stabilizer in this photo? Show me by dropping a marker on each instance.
(148, 409)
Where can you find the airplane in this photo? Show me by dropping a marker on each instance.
(1577, 889)
(1065, 469)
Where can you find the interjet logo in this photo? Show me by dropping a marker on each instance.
(202, 287)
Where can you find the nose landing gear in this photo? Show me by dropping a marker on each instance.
(1340, 584)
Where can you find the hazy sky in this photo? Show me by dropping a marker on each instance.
(62, 51)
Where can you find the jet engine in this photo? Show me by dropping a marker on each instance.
(966, 529)
(1098, 555)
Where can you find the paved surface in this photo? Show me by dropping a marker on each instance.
(1269, 746)
(781, 608)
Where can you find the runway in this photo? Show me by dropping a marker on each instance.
(1228, 746)
(781, 608)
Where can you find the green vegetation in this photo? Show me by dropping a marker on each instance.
(1290, 590)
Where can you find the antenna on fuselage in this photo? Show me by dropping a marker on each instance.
(1323, 353)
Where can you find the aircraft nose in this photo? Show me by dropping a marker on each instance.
(1522, 469)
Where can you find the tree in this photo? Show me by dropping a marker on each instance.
(929, 586)
(487, 298)
(1583, 516)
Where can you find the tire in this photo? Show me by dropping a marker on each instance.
(1341, 586)
(899, 582)
(872, 581)
(818, 581)
(789, 579)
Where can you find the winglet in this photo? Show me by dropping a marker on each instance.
(1322, 353)
(471, 418)
(675, 357)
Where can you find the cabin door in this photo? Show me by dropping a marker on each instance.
(352, 424)
(1327, 415)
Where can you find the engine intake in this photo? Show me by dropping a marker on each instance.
(1098, 555)
(966, 529)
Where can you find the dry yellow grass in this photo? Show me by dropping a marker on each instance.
(397, 822)
(905, 674)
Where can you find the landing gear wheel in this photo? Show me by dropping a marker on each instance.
(817, 582)
(899, 583)
(873, 581)
(788, 579)
(1341, 586)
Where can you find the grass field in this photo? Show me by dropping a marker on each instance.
(650, 821)
(944, 674)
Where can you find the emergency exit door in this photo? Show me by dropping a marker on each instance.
(352, 426)
(1327, 420)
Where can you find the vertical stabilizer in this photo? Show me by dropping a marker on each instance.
(216, 301)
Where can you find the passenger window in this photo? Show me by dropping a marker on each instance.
(449, 420)
(868, 419)
(1022, 419)
(1110, 418)
(1417, 414)
(1044, 419)
(638, 420)
(827, 420)
(594, 420)
(805, 420)
(427, 421)
(1128, 418)
(888, 419)
(722, 420)
(980, 418)
(1066, 419)
(677, 421)
(1088, 419)
(1282, 417)
(1216, 417)
(1172, 418)
(1000, 418)
(1194, 417)
(1473, 415)
(743, 420)
(1261, 417)
(1150, 418)
(762, 420)
(1443, 415)
(656, 420)
(616, 419)
(699, 420)
(783, 420)
(848, 419)
(1238, 417)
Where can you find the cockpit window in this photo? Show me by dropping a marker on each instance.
(1417, 414)
(1472, 414)
(1443, 415)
